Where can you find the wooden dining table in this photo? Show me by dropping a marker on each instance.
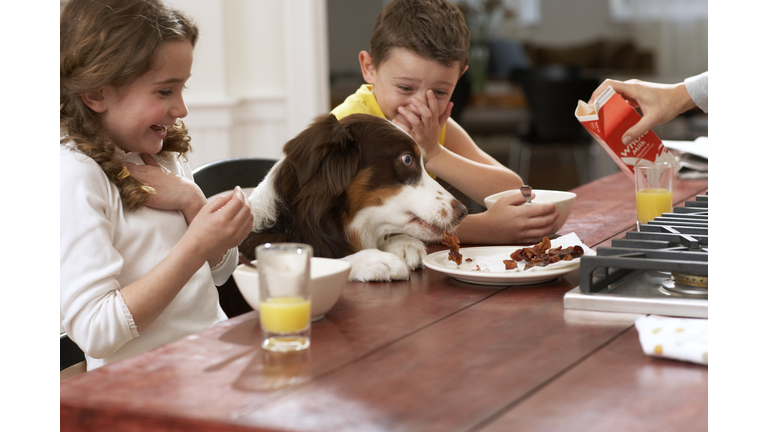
(427, 354)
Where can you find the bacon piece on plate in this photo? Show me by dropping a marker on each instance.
(453, 247)
(544, 254)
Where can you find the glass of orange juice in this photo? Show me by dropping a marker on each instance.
(284, 302)
(653, 190)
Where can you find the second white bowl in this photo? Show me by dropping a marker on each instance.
(327, 278)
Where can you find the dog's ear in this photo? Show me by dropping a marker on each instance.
(327, 151)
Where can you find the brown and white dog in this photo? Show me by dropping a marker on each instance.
(356, 189)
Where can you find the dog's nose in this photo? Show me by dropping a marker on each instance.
(459, 210)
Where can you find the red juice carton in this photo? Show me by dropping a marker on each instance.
(607, 120)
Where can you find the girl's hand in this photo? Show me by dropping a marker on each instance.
(220, 225)
(425, 123)
(173, 192)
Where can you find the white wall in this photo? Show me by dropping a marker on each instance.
(259, 76)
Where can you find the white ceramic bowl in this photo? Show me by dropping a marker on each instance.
(562, 200)
(327, 278)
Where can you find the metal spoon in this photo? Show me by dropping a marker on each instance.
(526, 191)
(244, 260)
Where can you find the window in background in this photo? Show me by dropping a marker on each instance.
(638, 10)
(676, 30)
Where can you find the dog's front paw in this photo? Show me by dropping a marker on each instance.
(376, 265)
(410, 249)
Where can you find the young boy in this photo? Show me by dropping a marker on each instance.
(419, 49)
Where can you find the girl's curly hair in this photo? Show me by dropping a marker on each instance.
(113, 43)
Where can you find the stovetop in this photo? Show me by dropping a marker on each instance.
(660, 269)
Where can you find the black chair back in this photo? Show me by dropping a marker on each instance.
(69, 352)
(225, 174)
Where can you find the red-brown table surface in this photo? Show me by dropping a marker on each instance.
(428, 354)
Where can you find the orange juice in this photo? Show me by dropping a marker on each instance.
(652, 203)
(284, 314)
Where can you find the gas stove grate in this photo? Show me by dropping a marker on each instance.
(675, 242)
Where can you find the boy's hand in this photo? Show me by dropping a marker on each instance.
(425, 122)
(511, 221)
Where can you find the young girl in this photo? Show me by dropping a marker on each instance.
(141, 250)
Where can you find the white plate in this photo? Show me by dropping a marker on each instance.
(438, 261)
(491, 257)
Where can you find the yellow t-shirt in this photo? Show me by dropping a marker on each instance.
(364, 102)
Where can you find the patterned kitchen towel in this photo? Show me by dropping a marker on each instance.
(683, 339)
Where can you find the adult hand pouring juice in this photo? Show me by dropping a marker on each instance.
(607, 120)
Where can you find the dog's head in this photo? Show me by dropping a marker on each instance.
(372, 172)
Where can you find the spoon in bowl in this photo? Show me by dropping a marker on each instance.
(526, 191)
(244, 260)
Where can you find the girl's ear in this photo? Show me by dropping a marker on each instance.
(366, 66)
(95, 100)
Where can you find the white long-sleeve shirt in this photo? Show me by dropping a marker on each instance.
(105, 247)
(697, 87)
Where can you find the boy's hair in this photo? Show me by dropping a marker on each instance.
(433, 29)
(113, 43)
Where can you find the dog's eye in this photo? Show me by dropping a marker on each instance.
(407, 159)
